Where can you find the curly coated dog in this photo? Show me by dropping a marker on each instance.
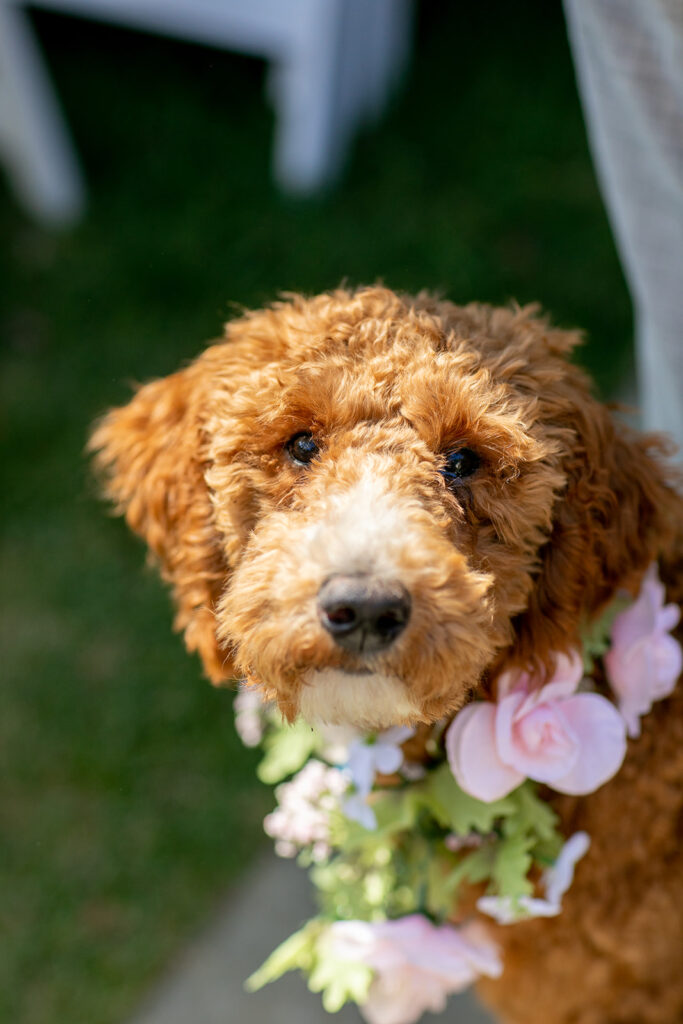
(369, 505)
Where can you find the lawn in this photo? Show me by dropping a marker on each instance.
(127, 803)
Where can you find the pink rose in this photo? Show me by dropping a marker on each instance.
(644, 661)
(417, 964)
(572, 741)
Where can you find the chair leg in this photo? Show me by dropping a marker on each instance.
(35, 146)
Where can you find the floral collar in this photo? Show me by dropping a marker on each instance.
(392, 862)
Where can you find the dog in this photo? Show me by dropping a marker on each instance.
(369, 505)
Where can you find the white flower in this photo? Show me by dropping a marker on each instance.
(302, 818)
(505, 910)
(367, 757)
(250, 715)
(357, 808)
(384, 755)
(336, 740)
(556, 881)
(558, 878)
(417, 964)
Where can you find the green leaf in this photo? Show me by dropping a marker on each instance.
(536, 821)
(395, 811)
(287, 748)
(295, 953)
(596, 636)
(546, 853)
(511, 863)
(442, 881)
(475, 867)
(340, 982)
(532, 815)
(456, 810)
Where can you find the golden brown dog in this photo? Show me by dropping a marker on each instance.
(368, 504)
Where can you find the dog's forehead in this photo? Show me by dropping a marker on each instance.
(386, 372)
(452, 374)
(442, 394)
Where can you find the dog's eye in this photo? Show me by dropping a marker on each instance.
(460, 464)
(302, 448)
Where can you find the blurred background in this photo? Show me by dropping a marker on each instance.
(128, 805)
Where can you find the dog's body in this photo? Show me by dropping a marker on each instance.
(613, 956)
(369, 506)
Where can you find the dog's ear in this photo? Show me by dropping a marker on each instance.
(617, 513)
(152, 455)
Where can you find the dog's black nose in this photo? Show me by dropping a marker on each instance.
(361, 614)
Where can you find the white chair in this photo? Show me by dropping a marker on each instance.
(333, 64)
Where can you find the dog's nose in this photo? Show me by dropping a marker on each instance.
(363, 615)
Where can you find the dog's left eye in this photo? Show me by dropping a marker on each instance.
(460, 464)
(302, 449)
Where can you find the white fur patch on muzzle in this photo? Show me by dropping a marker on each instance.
(368, 701)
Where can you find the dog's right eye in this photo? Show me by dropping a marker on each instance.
(302, 449)
(460, 464)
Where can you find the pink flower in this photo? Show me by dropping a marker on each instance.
(572, 741)
(302, 819)
(644, 661)
(417, 964)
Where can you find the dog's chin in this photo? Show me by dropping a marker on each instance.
(366, 700)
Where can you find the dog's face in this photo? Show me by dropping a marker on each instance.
(366, 503)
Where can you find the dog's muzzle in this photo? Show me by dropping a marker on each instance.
(361, 614)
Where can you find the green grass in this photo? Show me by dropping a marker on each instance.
(127, 804)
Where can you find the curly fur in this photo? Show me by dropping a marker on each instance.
(503, 570)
